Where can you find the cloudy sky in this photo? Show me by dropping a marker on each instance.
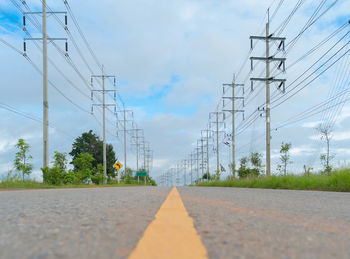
(170, 59)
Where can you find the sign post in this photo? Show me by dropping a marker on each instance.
(117, 166)
(142, 173)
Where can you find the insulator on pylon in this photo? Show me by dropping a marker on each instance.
(92, 95)
(66, 46)
(92, 110)
(91, 81)
(115, 96)
(115, 109)
(66, 20)
(24, 46)
(24, 21)
(114, 82)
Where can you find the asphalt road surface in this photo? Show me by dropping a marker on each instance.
(231, 222)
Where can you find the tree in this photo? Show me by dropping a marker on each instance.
(326, 134)
(90, 143)
(98, 177)
(84, 167)
(207, 176)
(60, 160)
(255, 161)
(284, 157)
(127, 176)
(21, 159)
(231, 166)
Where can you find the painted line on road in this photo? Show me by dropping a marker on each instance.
(171, 234)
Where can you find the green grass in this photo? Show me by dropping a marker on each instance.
(338, 181)
(30, 184)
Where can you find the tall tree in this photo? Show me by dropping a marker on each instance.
(326, 135)
(284, 157)
(22, 157)
(90, 143)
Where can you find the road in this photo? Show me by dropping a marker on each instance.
(214, 223)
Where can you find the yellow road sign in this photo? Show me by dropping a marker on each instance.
(117, 165)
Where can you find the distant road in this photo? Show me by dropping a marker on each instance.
(229, 222)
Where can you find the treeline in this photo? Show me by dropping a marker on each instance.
(85, 167)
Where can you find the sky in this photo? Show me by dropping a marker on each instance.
(170, 59)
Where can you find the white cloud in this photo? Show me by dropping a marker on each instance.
(145, 43)
(311, 124)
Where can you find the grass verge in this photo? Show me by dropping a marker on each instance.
(29, 184)
(338, 181)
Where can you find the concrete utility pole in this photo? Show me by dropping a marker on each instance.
(104, 106)
(268, 115)
(44, 40)
(217, 115)
(45, 91)
(217, 144)
(124, 125)
(137, 138)
(202, 158)
(233, 98)
(206, 135)
(197, 161)
(269, 37)
(127, 116)
(177, 175)
(191, 161)
(185, 164)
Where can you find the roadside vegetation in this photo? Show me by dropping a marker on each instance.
(251, 173)
(82, 169)
(338, 180)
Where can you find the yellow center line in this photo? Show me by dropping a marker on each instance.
(171, 234)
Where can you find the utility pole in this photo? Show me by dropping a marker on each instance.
(45, 91)
(185, 164)
(44, 40)
(191, 161)
(137, 144)
(217, 115)
(233, 111)
(127, 116)
(104, 106)
(124, 125)
(206, 135)
(217, 144)
(268, 79)
(197, 161)
(202, 165)
(177, 175)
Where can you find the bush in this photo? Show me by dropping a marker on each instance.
(52, 175)
(98, 177)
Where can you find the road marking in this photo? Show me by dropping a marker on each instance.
(171, 234)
